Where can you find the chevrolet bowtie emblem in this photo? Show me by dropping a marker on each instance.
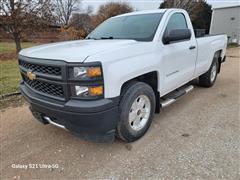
(31, 76)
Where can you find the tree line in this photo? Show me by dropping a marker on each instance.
(18, 18)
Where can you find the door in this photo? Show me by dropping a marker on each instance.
(178, 57)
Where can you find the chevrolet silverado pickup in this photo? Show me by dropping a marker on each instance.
(111, 83)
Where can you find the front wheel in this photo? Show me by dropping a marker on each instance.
(137, 108)
(209, 78)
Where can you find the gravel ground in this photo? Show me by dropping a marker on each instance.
(196, 138)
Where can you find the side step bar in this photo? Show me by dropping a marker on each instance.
(175, 95)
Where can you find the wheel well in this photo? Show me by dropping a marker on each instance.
(152, 80)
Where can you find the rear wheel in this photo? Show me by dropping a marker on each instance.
(209, 78)
(137, 108)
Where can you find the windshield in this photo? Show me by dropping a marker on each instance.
(137, 27)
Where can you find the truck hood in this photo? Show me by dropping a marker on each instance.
(74, 51)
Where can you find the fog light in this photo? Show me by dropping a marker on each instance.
(81, 90)
(88, 92)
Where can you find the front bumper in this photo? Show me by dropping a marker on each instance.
(91, 120)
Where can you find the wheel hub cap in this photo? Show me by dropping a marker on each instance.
(139, 112)
(213, 72)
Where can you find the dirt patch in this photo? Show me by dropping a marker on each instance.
(233, 52)
(12, 101)
(7, 56)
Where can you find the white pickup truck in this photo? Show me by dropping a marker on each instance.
(127, 69)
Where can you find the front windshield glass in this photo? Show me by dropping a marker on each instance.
(137, 27)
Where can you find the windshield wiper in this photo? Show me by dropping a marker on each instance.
(110, 37)
(91, 38)
(103, 38)
(100, 38)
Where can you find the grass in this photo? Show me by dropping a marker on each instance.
(233, 45)
(10, 47)
(9, 76)
(9, 71)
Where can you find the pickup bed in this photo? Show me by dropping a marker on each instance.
(127, 69)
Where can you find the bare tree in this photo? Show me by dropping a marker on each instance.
(109, 10)
(188, 5)
(89, 10)
(64, 9)
(81, 22)
(20, 17)
(199, 11)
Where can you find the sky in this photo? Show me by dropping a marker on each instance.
(152, 4)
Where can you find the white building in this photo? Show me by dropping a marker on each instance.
(227, 20)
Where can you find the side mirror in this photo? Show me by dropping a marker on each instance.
(177, 35)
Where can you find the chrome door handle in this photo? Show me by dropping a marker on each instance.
(192, 47)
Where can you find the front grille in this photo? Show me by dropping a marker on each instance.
(51, 70)
(44, 87)
(50, 77)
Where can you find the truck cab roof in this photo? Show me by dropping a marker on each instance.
(148, 12)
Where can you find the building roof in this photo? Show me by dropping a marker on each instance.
(226, 7)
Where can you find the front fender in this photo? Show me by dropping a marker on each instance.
(119, 72)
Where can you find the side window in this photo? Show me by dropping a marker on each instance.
(177, 21)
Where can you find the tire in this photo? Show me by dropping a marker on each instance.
(137, 107)
(209, 78)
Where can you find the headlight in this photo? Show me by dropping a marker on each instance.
(85, 72)
(86, 81)
(79, 72)
(87, 92)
